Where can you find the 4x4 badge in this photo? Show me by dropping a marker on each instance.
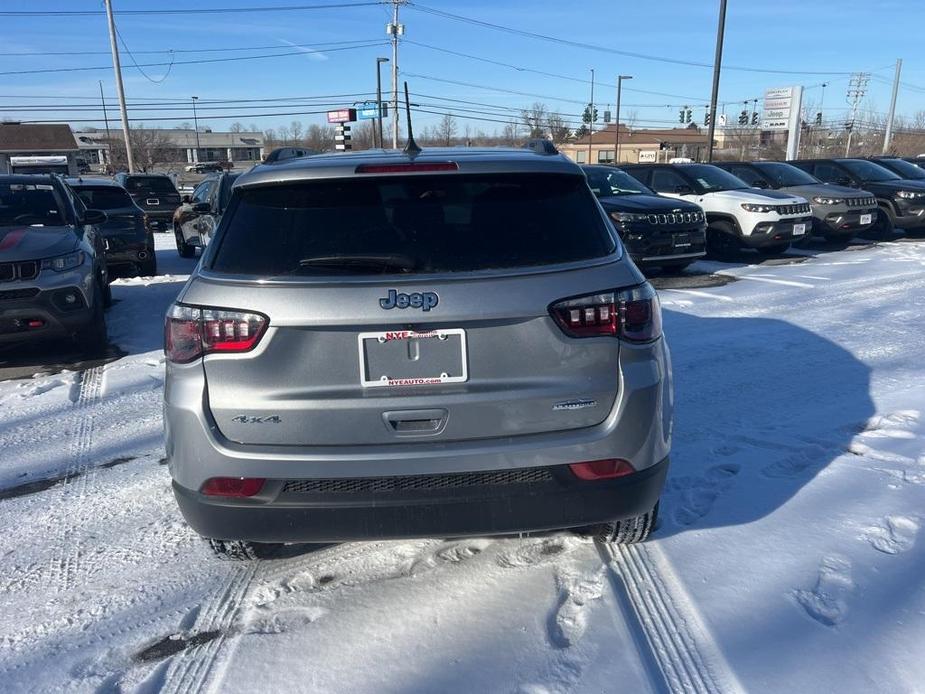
(422, 300)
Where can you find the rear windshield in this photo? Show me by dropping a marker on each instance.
(30, 204)
(150, 184)
(104, 198)
(412, 224)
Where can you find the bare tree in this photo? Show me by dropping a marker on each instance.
(185, 125)
(445, 130)
(319, 138)
(296, 128)
(535, 120)
(236, 127)
(149, 148)
(558, 128)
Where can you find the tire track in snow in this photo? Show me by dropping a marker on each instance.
(79, 476)
(681, 646)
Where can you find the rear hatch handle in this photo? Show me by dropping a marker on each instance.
(415, 422)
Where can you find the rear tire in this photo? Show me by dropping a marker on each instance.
(183, 248)
(623, 532)
(149, 267)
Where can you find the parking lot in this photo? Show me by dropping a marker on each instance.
(793, 508)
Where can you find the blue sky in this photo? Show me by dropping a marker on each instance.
(814, 35)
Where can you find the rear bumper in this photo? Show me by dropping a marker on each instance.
(563, 501)
(160, 220)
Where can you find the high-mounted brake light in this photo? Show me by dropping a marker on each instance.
(191, 332)
(630, 314)
(410, 167)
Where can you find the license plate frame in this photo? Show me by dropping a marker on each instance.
(867, 218)
(799, 229)
(681, 240)
(453, 374)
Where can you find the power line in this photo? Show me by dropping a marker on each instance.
(187, 62)
(208, 10)
(604, 49)
(186, 50)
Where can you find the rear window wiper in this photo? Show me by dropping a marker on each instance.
(360, 263)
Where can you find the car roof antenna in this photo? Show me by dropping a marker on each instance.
(411, 147)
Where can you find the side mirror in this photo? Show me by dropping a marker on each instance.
(201, 207)
(186, 199)
(94, 217)
(683, 190)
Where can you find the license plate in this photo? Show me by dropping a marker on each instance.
(867, 218)
(401, 358)
(799, 229)
(682, 240)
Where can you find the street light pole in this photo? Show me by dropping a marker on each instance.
(379, 62)
(591, 118)
(120, 90)
(196, 127)
(717, 63)
(616, 151)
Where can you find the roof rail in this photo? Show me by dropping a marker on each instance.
(283, 153)
(541, 146)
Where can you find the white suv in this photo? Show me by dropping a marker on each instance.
(737, 214)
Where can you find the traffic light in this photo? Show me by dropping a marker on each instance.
(818, 117)
(689, 114)
(743, 118)
(754, 117)
(681, 116)
(607, 116)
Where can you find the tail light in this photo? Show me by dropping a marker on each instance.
(235, 487)
(631, 314)
(191, 332)
(608, 469)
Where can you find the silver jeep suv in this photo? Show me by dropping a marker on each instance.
(383, 345)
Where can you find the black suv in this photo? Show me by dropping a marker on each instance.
(657, 231)
(901, 201)
(195, 221)
(53, 277)
(155, 194)
(129, 241)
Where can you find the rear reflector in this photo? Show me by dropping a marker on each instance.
(411, 167)
(602, 469)
(191, 332)
(239, 487)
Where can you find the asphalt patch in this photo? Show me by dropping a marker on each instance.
(173, 644)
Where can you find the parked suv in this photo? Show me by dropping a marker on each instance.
(901, 202)
(839, 212)
(195, 221)
(155, 194)
(737, 215)
(53, 277)
(128, 240)
(656, 231)
(384, 345)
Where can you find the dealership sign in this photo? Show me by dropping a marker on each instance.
(343, 115)
(778, 113)
(648, 157)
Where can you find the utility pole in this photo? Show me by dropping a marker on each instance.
(717, 64)
(394, 30)
(379, 62)
(117, 67)
(821, 119)
(591, 118)
(106, 120)
(888, 136)
(857, 88)
(196, 128)
(616, 151)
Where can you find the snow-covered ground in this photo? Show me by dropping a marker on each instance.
(788, 556)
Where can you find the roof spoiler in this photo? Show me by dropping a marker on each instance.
(541, 146)
(283, 153)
